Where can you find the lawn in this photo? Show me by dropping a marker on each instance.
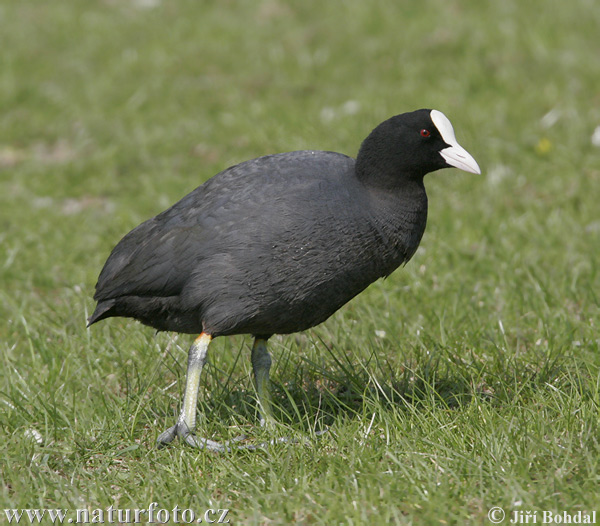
(467, 380)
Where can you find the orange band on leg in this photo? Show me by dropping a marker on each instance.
(203, 338)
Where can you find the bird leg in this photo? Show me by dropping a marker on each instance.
(186, 423)
(261, 364)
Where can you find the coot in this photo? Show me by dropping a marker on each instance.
(277, 244)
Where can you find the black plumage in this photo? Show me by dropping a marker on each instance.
(279, 243)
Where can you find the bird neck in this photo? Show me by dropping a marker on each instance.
(393, 189)
(404, 206)
(399, 217)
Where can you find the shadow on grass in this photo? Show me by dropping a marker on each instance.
(315, 396)
(330, 385)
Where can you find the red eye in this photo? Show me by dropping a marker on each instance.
(425, 133)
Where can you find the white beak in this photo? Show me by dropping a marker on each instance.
(455, 155)
(460, 158)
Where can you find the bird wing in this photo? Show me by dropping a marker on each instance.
(159, 256)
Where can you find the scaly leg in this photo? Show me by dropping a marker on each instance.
(261, 364)
(186, 423)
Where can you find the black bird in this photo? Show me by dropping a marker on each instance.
(277, 244)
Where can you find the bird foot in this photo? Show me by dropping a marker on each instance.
(181, 430)
(281, 440)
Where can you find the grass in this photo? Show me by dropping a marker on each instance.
(468, 379)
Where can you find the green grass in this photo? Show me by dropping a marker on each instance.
(485, 388)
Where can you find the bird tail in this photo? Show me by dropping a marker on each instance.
(103, 310)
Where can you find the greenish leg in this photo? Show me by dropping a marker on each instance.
(261, 364)
(186, 423)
